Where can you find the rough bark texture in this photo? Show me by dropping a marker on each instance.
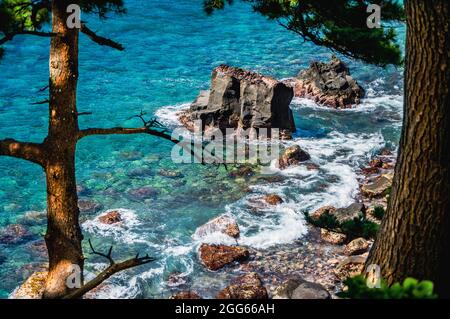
(63, 235)
(414, 236)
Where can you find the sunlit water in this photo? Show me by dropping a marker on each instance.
(171, 49)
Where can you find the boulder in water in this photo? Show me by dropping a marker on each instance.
(111, 217)
(293, 155)
(215, 257)
(329, 84)
(242, 99)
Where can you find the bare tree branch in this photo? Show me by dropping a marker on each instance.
(10, 36)
(99, 39)
(40, 102)
(112, 269)
(28, 151)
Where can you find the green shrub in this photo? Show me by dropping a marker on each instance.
(409, 289)
(378, 212)
(358, 227)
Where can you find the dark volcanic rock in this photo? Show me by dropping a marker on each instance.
(328, 84)
(301, 289)
(242, 99)
(215, 257)
(248, 286)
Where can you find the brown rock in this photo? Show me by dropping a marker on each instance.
(297, 288)
(293, 155)
(378, 188)
(273, 199)
(332, 237)
(356, 247)
(248, 286)
(350, 267)
(215, 257)
(186, 295)
(112, 217)
(376, 162)
(319, 212)
(32, 288)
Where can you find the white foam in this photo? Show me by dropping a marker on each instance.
(122, 232)
(168, 115)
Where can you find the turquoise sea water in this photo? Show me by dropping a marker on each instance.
(170, 52)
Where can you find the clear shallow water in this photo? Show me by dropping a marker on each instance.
(170, 52)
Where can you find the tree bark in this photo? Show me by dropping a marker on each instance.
(63, 237)
(414, 238)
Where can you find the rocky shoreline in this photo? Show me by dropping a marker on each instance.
(314, 266)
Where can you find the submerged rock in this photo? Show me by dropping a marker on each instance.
(89, 206)
(293, 155)
(32, 288)
(356, 247)
(186, 295)
(273, 199)
(242, 171)
(170, 173)
(248, 286)
(142, 193)
(215, 257)
(329, 84)
(242, 99)
(225, 224)
(301, 289)
(13, 234)
(112, 217)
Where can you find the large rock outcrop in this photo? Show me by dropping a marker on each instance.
(242, 99)
(329, 84)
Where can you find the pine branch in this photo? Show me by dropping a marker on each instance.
(101, 40)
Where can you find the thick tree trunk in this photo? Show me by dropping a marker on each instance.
(414, 239)
(63, 236)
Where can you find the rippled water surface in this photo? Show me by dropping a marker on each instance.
(171, 48)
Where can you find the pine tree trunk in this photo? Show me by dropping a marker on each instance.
(414, 238)
(63, 237)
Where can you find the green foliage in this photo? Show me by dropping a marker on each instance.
(25, 16)
(340, 25)
(378, 212)
(358, 227)
(409, 289)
